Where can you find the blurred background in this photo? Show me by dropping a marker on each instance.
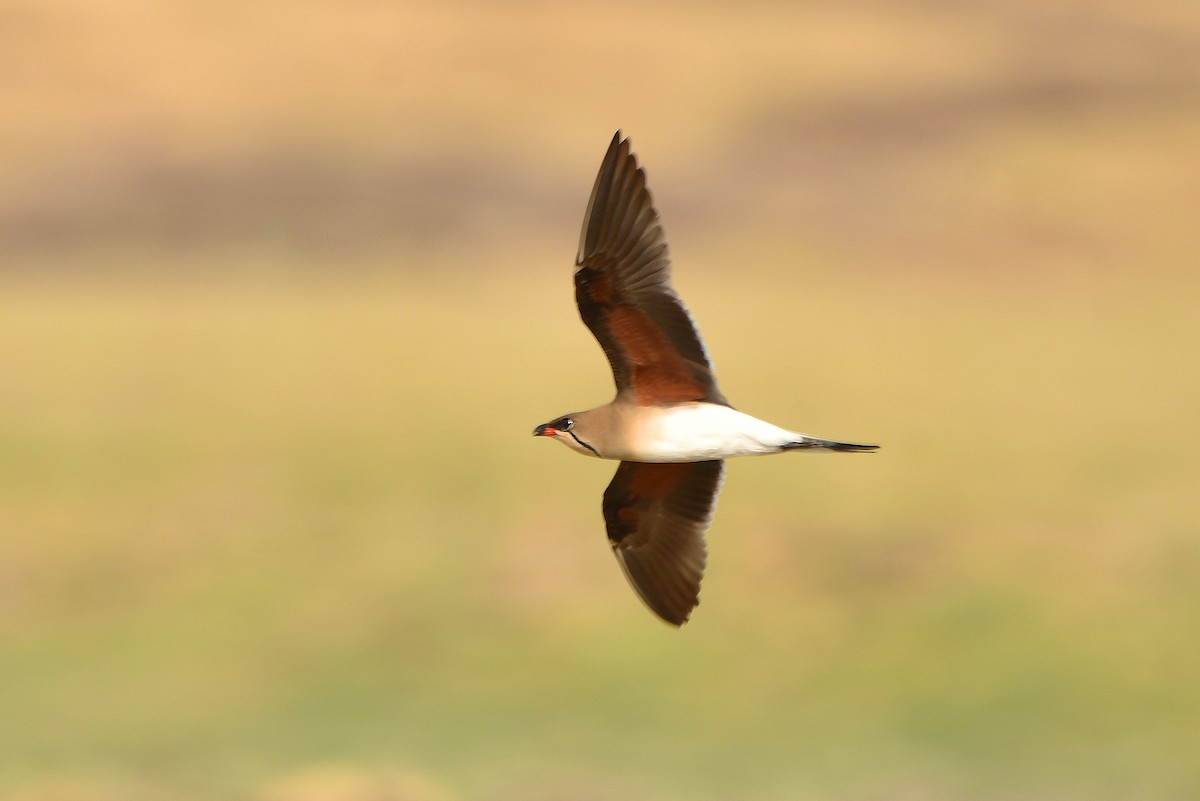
(284, 287)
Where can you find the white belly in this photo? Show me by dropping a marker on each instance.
(694, 432)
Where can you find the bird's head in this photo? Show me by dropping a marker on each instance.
(567, 430)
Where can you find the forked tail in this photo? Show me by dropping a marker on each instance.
(829, 445)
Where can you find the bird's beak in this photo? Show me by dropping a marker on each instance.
(544, 431)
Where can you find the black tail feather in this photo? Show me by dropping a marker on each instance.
(829, 445)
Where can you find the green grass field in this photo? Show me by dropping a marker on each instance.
(255, 527)
(275, 327)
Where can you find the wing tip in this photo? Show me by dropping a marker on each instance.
(609, 166)
(674, 611)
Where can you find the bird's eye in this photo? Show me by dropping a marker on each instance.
(566, 424)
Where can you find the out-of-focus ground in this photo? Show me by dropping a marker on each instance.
(285, 286)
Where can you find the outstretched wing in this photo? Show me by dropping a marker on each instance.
(623, 290)
(656, 516)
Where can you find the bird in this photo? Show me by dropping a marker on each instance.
(670, 426)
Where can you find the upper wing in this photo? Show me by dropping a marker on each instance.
(623, 290)
(656, 516)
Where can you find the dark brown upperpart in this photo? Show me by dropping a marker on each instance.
(624, 294)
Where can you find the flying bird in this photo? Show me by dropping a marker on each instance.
(669, 426)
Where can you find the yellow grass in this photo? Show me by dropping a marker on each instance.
(285, 288)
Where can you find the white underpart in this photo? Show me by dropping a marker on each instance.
(694, 432)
